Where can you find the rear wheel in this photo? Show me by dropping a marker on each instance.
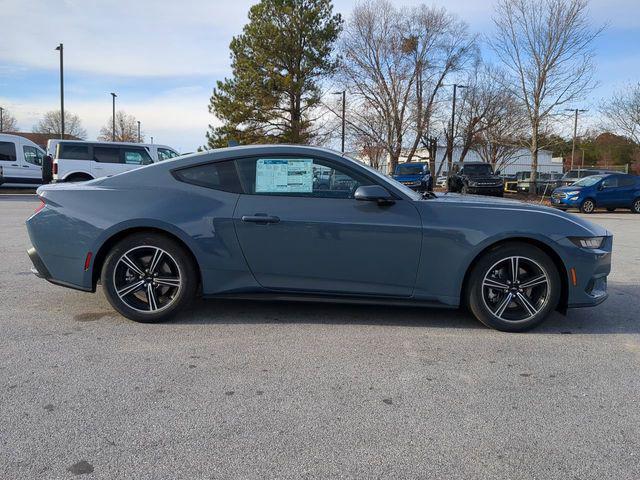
(587, 206)
(635, 208)
(148, 277)
(513, 287)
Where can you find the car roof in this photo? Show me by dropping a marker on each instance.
(118, 144)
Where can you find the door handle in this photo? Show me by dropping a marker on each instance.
(26, 166)
(264, 219)
(14, 164)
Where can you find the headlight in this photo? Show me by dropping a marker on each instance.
(572, 193)
(588, 242)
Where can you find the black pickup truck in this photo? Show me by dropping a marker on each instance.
(475, 177)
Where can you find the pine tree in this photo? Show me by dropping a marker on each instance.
(277, 63)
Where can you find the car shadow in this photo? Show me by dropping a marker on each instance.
(617, 315)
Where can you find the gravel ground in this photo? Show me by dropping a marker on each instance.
(284, 390)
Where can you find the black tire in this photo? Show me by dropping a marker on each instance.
(174, 263)
(635, 206)
(78, 177)
(587, 206)
(611, 209)
(543, 297)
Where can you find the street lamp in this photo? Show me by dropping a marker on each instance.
(575, 131)
(453, 126)
(113, 118)
(60, 48)
(344, 103)
(138, 131)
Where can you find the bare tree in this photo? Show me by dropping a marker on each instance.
(50, 124)
(622, 112)
(126, 129)
(394, 63)
(546, 48)
(8, 122)
(485, 106)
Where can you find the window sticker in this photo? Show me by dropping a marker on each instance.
(285, 175)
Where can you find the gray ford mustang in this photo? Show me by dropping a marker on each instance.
(303, 223)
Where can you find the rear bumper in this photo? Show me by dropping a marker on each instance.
(40, 270)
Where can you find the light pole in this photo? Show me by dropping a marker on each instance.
(138, 131)
(575, 131)
(344, 110)
(113, 118)
(453, 126)
(1, 120)
(60, 48)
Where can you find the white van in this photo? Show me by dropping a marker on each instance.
(21, 161)
(78, 160)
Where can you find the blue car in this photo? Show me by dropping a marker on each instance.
(609, 191)
(254, 223)
(415, 175)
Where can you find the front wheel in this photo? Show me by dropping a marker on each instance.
(513, 287)
(148, 277)
(587, 206)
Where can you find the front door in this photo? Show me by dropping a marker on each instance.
(609, 192)
(299, 232)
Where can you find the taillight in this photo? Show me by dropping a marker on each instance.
(41, 206)
(54, 170)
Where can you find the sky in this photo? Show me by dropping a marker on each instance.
(162, 58)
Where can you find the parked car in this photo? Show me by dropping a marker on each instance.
(574, 175)
(546, 182)
(21, 160)
(246, 222)
(415, 175)
(476, 177)
(600, 191)
(441, 181)
(77, 161)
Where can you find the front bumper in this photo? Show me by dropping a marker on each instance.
(566, 202)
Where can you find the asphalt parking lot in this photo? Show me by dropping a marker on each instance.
(263, 390)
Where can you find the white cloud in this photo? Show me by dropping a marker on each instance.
(178, 117)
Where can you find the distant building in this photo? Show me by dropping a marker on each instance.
(41, 139)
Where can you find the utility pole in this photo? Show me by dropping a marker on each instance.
(113, 118)
(575, 131)
(60, 48)
(1, 120)
(138, 131)
(453, 127)
(344, 111)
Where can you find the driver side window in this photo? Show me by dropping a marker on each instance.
(610, 182)
(298, 177)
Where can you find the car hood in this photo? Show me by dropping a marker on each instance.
(568, 188)
(493, 203)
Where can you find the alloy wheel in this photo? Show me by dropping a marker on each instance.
(588, 206)
(636, 206)
(147, 279)
(515, 289)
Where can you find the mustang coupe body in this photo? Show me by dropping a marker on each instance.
(257, 222)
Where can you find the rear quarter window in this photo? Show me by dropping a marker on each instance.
(73, 152)
(7, 152)
(216, 175)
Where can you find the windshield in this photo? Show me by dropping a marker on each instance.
(406, 190)
(478, 169)
(588, 181)
(410, 169)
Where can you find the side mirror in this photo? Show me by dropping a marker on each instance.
(601, 187)
(374, 193)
